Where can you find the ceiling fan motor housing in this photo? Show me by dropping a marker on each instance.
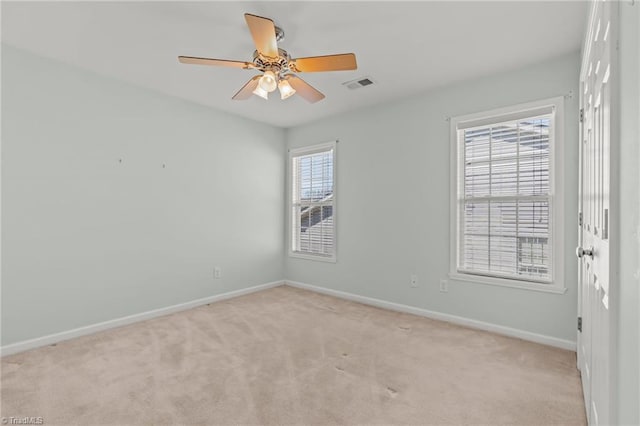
(277, 65)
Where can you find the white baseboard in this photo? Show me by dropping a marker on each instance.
(119, 322)
(498, 329)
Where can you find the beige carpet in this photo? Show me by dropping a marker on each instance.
(289, 356)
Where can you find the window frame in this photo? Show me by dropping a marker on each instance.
(556, 195)
(296, 152)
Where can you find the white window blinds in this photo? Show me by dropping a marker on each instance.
(313, 201)
(504, 197)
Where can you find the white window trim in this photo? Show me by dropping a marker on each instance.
(311, 149)
(556, 204)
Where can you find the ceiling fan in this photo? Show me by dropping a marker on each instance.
(276, 65)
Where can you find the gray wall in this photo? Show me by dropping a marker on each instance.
(86, 238)
(627, 394)
(393, 201)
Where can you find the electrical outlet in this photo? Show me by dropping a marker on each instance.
(217, 272)
(444, 286)
(414, 281)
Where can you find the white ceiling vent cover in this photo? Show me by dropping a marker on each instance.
(358, 83)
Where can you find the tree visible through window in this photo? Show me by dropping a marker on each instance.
(312, 225)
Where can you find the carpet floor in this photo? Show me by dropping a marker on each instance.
(291, 356)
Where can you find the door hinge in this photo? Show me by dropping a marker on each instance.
(580, 219)
(582, 115)
(580, 324)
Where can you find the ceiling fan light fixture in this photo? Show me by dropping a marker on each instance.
(259, 91)
(268, 82)
(286, 90)
(273, 62)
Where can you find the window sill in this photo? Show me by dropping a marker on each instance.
(318, 258)
(504, 282)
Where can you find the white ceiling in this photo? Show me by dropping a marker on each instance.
(405, 47)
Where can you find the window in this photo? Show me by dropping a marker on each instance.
(313, 202)
(506, 216)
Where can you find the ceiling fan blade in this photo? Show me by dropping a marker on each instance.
(215, 62)
(263, 32)
(247, 90)
(304, 89)
(342, 62)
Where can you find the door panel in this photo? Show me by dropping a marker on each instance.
(594, 340)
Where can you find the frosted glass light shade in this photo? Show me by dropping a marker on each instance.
(259, 91)
(268, 81)
(285, 89)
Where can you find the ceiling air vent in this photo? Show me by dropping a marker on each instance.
(358, 83)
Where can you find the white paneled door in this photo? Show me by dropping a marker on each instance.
(594, 341)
